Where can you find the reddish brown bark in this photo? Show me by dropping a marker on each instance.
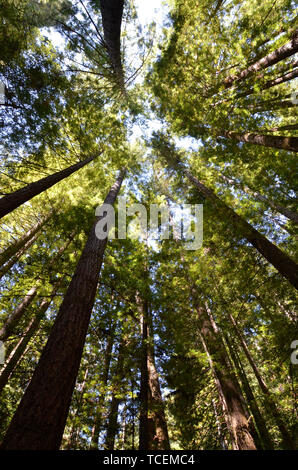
(283, 263)
(274, 141)
(40, 418)
(274, 57)
(227, 384)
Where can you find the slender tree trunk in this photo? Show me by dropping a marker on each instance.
(289, 127)
(291, 75)
(273, 141)
(19, 244)
(285, 265)
(39, 421)
(287, 50)
(161, 437)
(104, 381)
(74, 434)
(239, 426)
(287, 440)
(113, 414)
(144, 386)
(263, 433)
(291, 215)
(6, 268)
(13, 200)
(20, 348)
(220, 433)
(18, 313)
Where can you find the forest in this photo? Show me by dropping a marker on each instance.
(181, 333)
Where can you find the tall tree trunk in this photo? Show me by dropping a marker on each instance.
(111, 13)
(282, 262)
(21, 346)
(19, 244)
(239, 426)
(17, 314)
(39, 421)
(13, 200)
(263, 433)
(291, 215)
(113, 413)
(104, 381)
(273, 141)
(20, 310)
(287, 439)
(291, 75)
(144, 385)
(287, 50)
(6, 268)
(161, 437)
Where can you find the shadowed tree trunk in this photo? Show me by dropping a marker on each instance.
(4, 270)
(111, 12)
(227, 383)
(271, 83)
(287, 440)
(13, 200)
(19, 244)
(104, 381)
(39, 421)
(20, 348)
(20, 310)
(113, 413)
(144, 385)
(263, 433)
(287, 50)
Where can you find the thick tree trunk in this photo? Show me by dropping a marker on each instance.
(111, 12)
(39, 421)
(291, 215)
(20, 348)
(238, 423)
(287, 440)
(285, 265)
(104, 382)
(273, 141)
(19, 244)
(273, 58)
(13, 200)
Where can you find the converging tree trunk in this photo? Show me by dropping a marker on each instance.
(13, 200)
(111, 13)
(14, 259)
(273, 141)
(39, 421)
(282, 262)
(103, 383)
(227, 383)
(19, 244)
(21, 346)
(287, 50)
(287, 439)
